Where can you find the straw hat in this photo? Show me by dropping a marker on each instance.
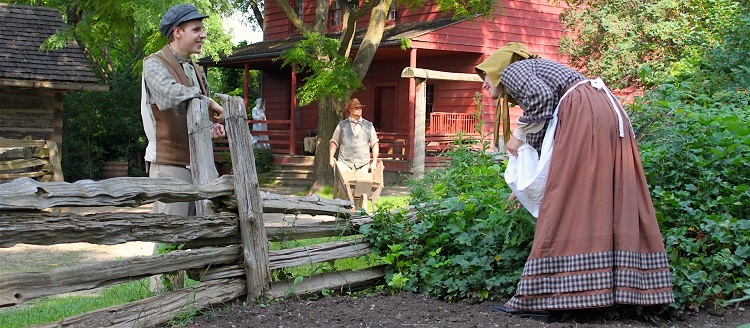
(354, 103)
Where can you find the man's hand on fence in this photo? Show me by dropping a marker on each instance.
(216, 112)
(218, 131)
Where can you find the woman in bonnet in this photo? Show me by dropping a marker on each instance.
(259, 114)
(597, 242)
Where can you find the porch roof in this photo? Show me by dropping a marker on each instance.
(259, 55)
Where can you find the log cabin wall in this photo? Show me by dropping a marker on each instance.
(31, 112)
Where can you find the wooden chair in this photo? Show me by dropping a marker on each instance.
(359, 188)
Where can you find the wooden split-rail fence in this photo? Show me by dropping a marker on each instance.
(38, 159)
(225, 246)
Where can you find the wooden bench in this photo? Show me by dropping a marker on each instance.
(437, 144)
(393, 145)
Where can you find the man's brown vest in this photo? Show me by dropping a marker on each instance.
(172, 141)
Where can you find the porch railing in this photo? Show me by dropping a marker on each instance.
(451, 123)
(443, 130)
(279, 133)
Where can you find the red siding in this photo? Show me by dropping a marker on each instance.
(276, 94)
(456, 48)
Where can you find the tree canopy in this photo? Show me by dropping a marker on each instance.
(118, 34)
(641, 43)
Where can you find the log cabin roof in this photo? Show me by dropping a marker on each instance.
(23, 64)
(392, 36)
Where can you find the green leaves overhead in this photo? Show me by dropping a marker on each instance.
(459, 8)
(326, 73)
(120, 33)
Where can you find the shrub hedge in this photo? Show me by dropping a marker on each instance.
(463, 241)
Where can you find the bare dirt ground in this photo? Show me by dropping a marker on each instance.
(411, 310)
(378, 310)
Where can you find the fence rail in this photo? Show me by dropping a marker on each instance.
(215, 244)
(38, 159)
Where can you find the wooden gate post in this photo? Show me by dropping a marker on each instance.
(202, 165)
(420, 107)
(420, 113)
(249, 203)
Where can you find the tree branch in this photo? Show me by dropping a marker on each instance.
(296, 21)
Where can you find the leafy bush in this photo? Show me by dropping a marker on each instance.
(460, 239)
(103, 126)
(615, 39)
(263, 160)
(699, 176)
(695, 141)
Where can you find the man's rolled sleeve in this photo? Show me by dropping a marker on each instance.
(336, 137)
(163, 89)
(373, 138)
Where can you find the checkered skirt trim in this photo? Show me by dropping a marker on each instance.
(595, 281)
(590, 301)
(648, 261)
(643, 273)
(594, 261)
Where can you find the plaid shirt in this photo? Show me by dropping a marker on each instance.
(162, 88)
(537, 84)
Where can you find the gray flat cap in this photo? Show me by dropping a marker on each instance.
(177, 15)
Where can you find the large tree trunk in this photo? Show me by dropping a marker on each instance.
(329, 112)
(329, 115)
(372, 38)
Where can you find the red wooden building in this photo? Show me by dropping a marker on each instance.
(437, 42)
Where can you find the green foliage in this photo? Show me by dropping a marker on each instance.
(695, 142)
(115, 34)
(614, 39)
(263, 160)
(459, 9)
(327, 73)
(464, 240)
(103, 126)
(230, 81)
(699, 175)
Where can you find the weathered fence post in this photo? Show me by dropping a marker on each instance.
(249, 205)
(202, 164)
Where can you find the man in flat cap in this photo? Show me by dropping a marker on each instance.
(170, 80)
(356, 140)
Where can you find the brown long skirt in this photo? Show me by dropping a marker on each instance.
(597, 241)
